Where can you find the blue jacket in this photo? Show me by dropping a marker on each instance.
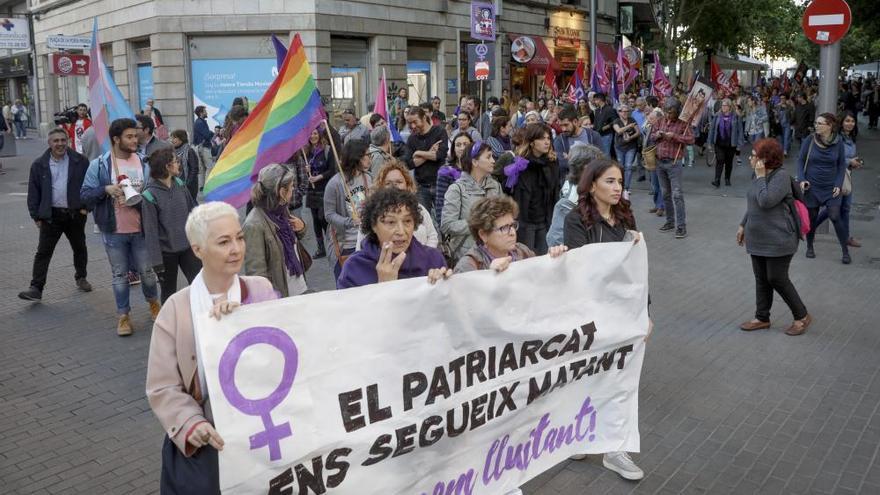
(95, 198)
(736, 130)
(360, 268)
(202, 135)
(39, 198)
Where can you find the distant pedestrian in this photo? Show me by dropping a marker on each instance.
(167, 203)
(344, 198)
(54, 204)
(427, 147)
(449, 173)
(201, 142)
(821, 170)
(770, 235)
(671, 135)
(321, 167)
(352, 128)
(188, 159)
(626, 145)
(176, 386)
(120, 224)
(75, 130)
(534, 183)
(380, 149)
(148, 142)
(726, 135)
(19, 119)
(603, 121)
(155, 115)
(499, 139)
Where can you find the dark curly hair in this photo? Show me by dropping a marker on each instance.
(587, 207)
(385, 200)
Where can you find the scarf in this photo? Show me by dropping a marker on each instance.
(316, 166)
(449, 171)
(485, 251)
(513, 170)
(201, 302)
(505, 142)
(183, 156)
(281, 219)
(725, 126)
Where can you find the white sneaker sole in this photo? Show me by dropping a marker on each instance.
(627, 475)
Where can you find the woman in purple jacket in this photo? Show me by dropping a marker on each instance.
(389, 251)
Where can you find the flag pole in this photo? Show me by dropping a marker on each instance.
(308, 167)
(354, 213)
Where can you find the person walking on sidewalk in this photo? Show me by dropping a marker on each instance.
(671, 136)
(726, 135)
(770, 235)
(19, 118)
(165, 209)
(201, 142)
(821, 170)
(54, 204)
(120, 224)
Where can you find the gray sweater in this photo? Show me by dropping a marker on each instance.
(770, 228)
(457, 203)
(164, 212)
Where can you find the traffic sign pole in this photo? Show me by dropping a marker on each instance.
(829, 69)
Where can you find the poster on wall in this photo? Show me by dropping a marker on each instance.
(216, 82)
(483, 21)
(145, 84)
(481, 61)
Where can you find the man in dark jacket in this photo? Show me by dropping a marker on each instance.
(603, 122)
(426, 151)
(54, 204)
(804, 115)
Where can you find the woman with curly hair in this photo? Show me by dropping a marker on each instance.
(533, 180)
(390, 252)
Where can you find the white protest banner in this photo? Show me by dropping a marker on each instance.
(473, 385)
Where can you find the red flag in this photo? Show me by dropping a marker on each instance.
(786, 83)
(725, 84)
(550, 80)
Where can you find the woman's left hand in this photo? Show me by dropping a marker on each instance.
(556, 251)
(297, 224)
(435, 274)
(760, 171)
(223, 308)
(835, 192)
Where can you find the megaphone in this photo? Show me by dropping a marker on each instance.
(132, 197)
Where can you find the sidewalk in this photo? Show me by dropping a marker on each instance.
(721, 411)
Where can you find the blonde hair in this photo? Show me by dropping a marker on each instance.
(198, 222)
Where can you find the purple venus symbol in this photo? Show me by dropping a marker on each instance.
(273, 434)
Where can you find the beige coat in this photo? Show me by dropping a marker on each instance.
(172, 382)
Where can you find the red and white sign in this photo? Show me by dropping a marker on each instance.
(826, 21)
(68, 64)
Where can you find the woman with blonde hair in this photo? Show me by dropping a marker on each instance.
(176, 384)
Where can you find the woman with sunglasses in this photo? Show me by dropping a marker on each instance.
(475, 183)
(821, 169)
(492, 223)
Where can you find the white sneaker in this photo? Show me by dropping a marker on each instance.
(578, 457)
(626, 195)
(622, 464)
(515, 492)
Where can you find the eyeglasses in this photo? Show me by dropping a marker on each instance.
(507, 229)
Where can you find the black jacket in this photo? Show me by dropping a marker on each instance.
(604, 121)
(426, 173)
(537, 190)
(39, 199)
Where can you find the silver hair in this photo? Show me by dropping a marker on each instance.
(623, 108)
(200, 218)
(579, 156)
(640, 100)
(672, 104)
(380, 135)
(265, 192)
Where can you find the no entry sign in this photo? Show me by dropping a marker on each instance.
(826, 21)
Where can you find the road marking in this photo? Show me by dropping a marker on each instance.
(826, 20)
(18, 194)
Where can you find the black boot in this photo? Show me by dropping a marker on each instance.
(320, 253)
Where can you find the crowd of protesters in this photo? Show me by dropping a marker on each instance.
(481, 189)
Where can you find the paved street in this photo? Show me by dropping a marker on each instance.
(721, 411)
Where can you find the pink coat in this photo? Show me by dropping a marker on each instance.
(172, 383)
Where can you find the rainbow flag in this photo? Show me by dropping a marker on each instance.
(279, 125)
(105, 98)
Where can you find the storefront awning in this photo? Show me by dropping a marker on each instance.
(533, 52)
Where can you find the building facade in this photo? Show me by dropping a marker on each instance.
(187, 52)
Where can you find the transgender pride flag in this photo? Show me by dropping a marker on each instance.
(106, 101)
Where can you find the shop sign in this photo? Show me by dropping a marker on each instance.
(522, 49)
(566, 37)
(17, 66)
(481, 61)
(452, 86)
(14, 34)
(68, 64)
(216, 82)
(58, 42)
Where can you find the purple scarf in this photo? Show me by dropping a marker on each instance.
(485, 251)
(513, 170)
(281, 220)
(449, 171)
(725, 126)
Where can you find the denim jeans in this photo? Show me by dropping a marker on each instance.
(669, 174)
(607, 142)
(534, 236)
(20, 132)
(426, 198)
(656, 190)
(627, 160)
(786, 137)
(124, 251)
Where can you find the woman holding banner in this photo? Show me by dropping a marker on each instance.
(176, 385)
(344, 198)
(272, 233)
(390, 252)
(602, 216)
